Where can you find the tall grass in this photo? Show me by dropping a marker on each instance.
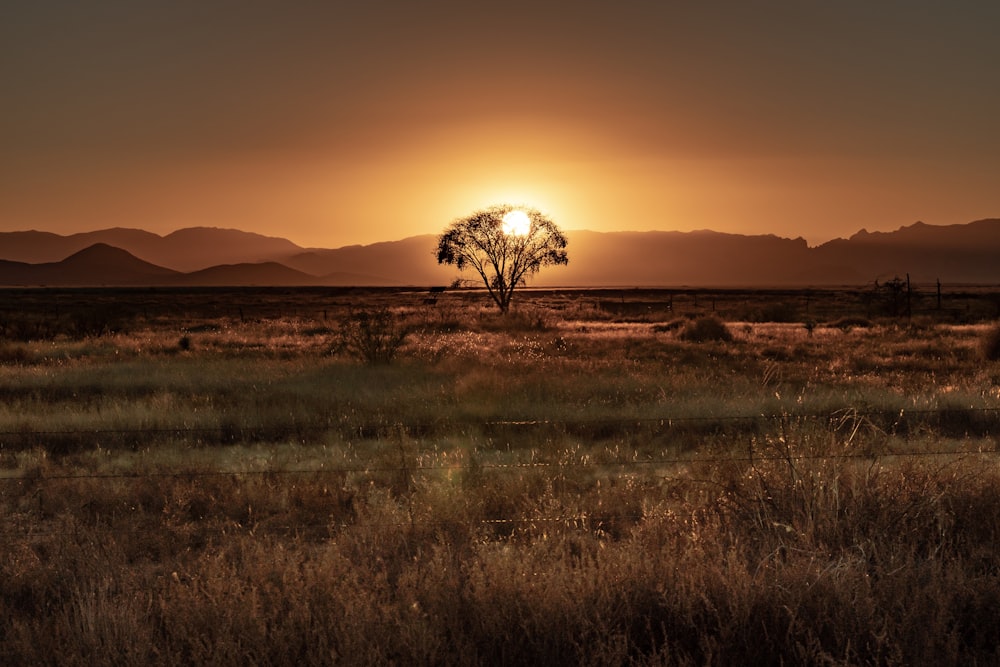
(837, 560)
(546, 490)
(990, 345)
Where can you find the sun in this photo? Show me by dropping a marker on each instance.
(516, 223)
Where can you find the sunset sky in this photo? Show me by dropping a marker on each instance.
(336, 123)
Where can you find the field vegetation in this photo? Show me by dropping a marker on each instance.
(325, 476)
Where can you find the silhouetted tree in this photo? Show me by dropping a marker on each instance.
(897, 295)
(505, 244)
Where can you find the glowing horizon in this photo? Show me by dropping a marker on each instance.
(340, 126)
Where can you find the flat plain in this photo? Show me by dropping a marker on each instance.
(393, 476)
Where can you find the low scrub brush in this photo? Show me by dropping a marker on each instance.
(990, 344)
(706, 329)
(374, 336)
(848, 323)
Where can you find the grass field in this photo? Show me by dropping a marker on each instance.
(219, 477)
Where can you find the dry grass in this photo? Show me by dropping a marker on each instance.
(546, 489)
(990, 345)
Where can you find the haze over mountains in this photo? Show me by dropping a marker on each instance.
(966, 253)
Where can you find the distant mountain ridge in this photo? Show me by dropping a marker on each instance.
(963, 253)
(99, 264)
(188, 249)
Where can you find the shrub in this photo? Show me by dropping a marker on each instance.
(672, 325)
(99, 320)
(706, 329)
(522, 319)
(848, 323)
(373, 336)
(12, 354)
(777, 312)
(990, 344)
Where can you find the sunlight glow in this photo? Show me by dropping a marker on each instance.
(516, 223)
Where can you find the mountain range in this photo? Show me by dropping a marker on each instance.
(963, 253)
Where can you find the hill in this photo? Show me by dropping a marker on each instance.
(410, 261)
(679, 258)
(197, 248)
(966, 253)
(189, 249)
(99, 264)
(262, 273)
(103, 265)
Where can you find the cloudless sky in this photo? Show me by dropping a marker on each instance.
(335, 123)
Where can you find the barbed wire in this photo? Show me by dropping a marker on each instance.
(586, 521)
(750, 458)
(842, 416)
(593, 521)
(836, 415)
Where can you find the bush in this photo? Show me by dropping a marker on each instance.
(777, 312)
(373, 336)
(706, 329)
(521, 319)
(990, 344)
(848, 323)
(672, 325)
(12, 354)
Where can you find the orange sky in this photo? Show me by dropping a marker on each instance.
(334, 123)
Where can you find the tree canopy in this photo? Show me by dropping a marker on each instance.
(503, 247)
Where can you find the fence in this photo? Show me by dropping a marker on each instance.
(986, 421)
(580, 521)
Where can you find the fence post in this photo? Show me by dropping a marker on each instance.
(909, 312)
